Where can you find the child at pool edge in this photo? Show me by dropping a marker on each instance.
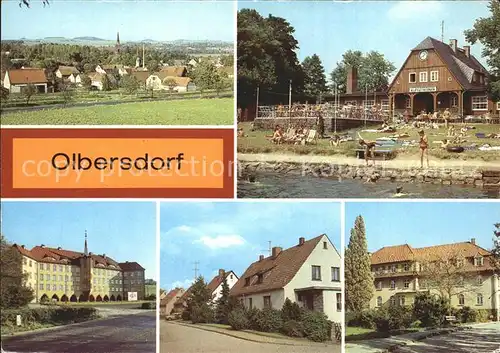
(424, 148)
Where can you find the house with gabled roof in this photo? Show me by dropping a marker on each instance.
(69, 73)
(307, 273)
(16, 80)
(402, 271)
(168, 301)
(59, 274)
(436, 76)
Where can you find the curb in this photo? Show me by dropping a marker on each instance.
(244, 338)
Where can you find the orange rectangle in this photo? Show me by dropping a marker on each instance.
(108, 163)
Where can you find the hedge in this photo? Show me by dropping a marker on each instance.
(48, 315)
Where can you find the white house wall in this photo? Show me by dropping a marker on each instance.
(231, 281)
(277, 299)
(326, 259)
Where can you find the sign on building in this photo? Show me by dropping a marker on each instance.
(422, 89)
(132, 296)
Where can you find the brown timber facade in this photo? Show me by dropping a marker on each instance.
(436, 76)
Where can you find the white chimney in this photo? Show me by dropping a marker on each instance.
(453, 44)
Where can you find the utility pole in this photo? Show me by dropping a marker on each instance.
(195, 269)
(257, 107)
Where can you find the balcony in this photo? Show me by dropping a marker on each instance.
(397, 273)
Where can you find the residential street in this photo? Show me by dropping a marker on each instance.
(118, 334)
(481, 339)
(175, 338)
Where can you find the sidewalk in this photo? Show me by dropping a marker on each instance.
(382, 345)
(256, 337)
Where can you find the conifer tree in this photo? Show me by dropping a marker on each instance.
(223, 307)
(359, 286)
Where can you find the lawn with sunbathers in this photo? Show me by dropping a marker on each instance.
(258, 141)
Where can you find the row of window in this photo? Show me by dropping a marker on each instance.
(401, 300)
(316, 273)
(423, 283)
(478, 261)
(267, 303)
(61, 287)
(423, 76)
(54, 278)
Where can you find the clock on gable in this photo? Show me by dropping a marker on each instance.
(423, 55)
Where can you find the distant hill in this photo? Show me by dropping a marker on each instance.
(89, 38)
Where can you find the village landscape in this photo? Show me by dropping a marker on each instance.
(427, 125)
(114, 79)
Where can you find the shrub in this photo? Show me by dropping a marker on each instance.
(238, 320)
(252, 316)
(269, 320)
(48, 315)
(202, 314)
(416, 324)
(316, 326)
(149, 305)
(293, 328)
(430, 310)
(381, 320)
(365, 319)
(467, 314)
(400, 317)
(185, 315)
(290, 311)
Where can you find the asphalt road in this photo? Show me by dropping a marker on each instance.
(181, 339)
(122, 334)
(480, 339)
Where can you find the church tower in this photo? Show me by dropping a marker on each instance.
(117, 45)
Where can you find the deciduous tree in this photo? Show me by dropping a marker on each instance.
(359, 286)
(496, 248)
(28, 91)
(314, 76)
(130, 84)
(13, 291)
(487, 31)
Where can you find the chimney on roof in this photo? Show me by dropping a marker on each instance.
(473, 241)
(221, 272)
(276, 251)
(261, 258)
(453, 44)
(352, 80)
(104, 255)
(59, 248)
(467, 50)
(22, 246)
(90, 253)
(302, 240)
(42, 246)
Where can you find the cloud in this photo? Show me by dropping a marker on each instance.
(184, 228)
(221, 241)
(415, 10)
(182, 284)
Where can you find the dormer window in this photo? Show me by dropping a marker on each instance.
(478, 261)
(260, 278)
(247, 281)
(460, 262)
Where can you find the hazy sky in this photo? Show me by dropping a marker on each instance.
(231, 236)
(124, 231)
(136, 20)
(424, 223)
(393, 28)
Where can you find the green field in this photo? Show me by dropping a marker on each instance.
(180, 112)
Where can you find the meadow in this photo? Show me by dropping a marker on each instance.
(203, 111)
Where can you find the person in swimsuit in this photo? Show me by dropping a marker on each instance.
(424, 148)
(369, 148)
